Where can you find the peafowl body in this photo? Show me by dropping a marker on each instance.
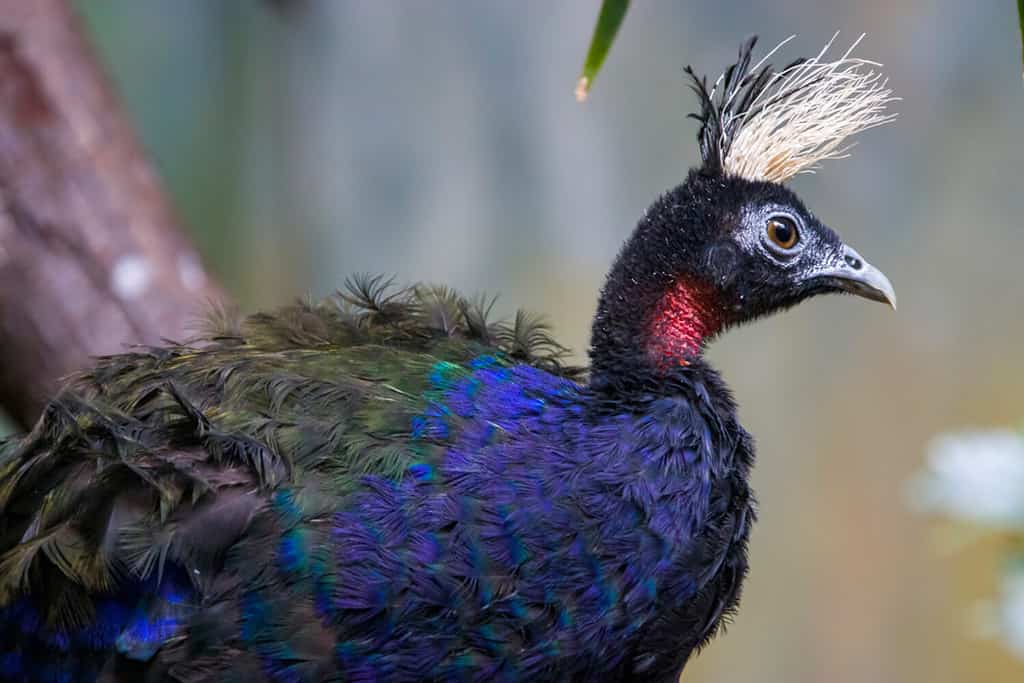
(388, 486)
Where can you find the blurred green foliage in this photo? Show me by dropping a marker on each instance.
(1020, 19)
(608, 22)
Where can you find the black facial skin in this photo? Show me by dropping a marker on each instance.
(755, 275)
(713, 229)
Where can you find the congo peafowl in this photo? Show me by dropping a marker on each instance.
(389, 486)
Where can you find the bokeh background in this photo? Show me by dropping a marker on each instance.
(303, 140)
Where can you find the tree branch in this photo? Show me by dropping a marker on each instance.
(91, 257)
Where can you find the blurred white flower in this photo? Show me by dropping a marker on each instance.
(977, 477)
(1011, 610)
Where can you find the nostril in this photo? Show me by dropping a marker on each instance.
(853, 262)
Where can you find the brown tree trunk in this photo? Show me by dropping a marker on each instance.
(91, 258)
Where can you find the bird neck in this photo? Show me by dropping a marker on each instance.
(651, 330)
(681, 322)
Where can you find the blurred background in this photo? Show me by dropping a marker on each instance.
(302, 140)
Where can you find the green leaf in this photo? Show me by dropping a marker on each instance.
(608, 22)
(1020, 18)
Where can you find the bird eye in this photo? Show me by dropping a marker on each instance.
(782, 232)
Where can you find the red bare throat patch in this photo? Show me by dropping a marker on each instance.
(685, 317)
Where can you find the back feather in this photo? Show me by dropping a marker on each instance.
(157, 467)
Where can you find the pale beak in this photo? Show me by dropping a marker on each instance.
(855, 275)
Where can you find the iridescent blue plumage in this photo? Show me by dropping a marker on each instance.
(135, 622)
(527, 535)
(542, 541)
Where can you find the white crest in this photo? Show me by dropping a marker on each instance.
(772, 126)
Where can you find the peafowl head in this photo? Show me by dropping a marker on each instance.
(732, 243)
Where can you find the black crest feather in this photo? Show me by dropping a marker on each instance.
(727, 103)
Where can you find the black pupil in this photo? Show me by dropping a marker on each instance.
(783, 233)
